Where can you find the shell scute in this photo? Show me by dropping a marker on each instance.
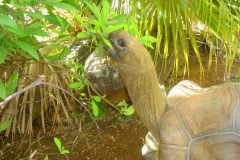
(172, 131)
(208, 110)
(214, 147)
(168, 153)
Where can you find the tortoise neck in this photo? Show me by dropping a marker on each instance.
(147, 98)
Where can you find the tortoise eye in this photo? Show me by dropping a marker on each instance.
(121, 43)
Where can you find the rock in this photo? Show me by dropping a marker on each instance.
(105, 78)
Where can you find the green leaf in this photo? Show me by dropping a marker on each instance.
(95, 108)
(6, 20)
(75, 85)
(37, 31)
(53, 57)
(37, 25)
(107, 42)
(17, 31)
(11, 84)
(65, 151)
(27, 48)
(95, 10)
(80, 20)
(97, 98)
(83, 35)
(146, 43)
(46, 157)
(112, 28)
(58, 143)
(54, 19)
(86, 82)
(127, 111)
(66, 51)
(122, 103)
(105, 8)
(120, 17)
(148, 39)
(61, 5)
(2, 90)
(3, 54)
(34, 14)
(5, 124)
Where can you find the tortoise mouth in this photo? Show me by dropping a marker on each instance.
(112, 51)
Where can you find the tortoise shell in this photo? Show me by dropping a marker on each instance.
(199, 123)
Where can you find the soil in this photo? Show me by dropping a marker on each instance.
(121, 137)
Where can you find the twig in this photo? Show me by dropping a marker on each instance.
(75, 100)
(9, 98)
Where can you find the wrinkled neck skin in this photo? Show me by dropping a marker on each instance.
(146, 96)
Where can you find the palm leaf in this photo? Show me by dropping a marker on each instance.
(219, 18)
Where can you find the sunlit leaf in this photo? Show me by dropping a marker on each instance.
(37, 25)
(95, 108)
(97, 98)
(83, 35)
(58, 143)
(46, 157)
(37, 31)
(17, 31)
(106, 8)
(66, 51)
(27, 48)
(80, 20)
(34, 14)
(128, 111)
(11, 84)
(107, 42)
(2, 90)
(148, 38)
(6, 20)
(146, 43)
(120, 17)
(75, 85)
(65, 151)
(5, 124)
(112, 28)
(61, 5)
(54, 19)
(122, 103)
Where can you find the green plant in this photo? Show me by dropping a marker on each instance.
(4, 125)
(46, 157)
(126, 109)
(10, 86)
(105, 20)
(60, 147)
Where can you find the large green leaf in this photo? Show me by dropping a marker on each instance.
(37, 31)
(11, 84)
(27, 48)
(61, 5)
(6, 20)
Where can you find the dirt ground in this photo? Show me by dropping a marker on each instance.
(121, 138)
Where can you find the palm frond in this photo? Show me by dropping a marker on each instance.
(220, 24)
(38, 101)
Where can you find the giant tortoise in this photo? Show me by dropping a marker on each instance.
(192, 123)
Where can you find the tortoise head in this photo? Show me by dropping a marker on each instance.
(128, 53)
